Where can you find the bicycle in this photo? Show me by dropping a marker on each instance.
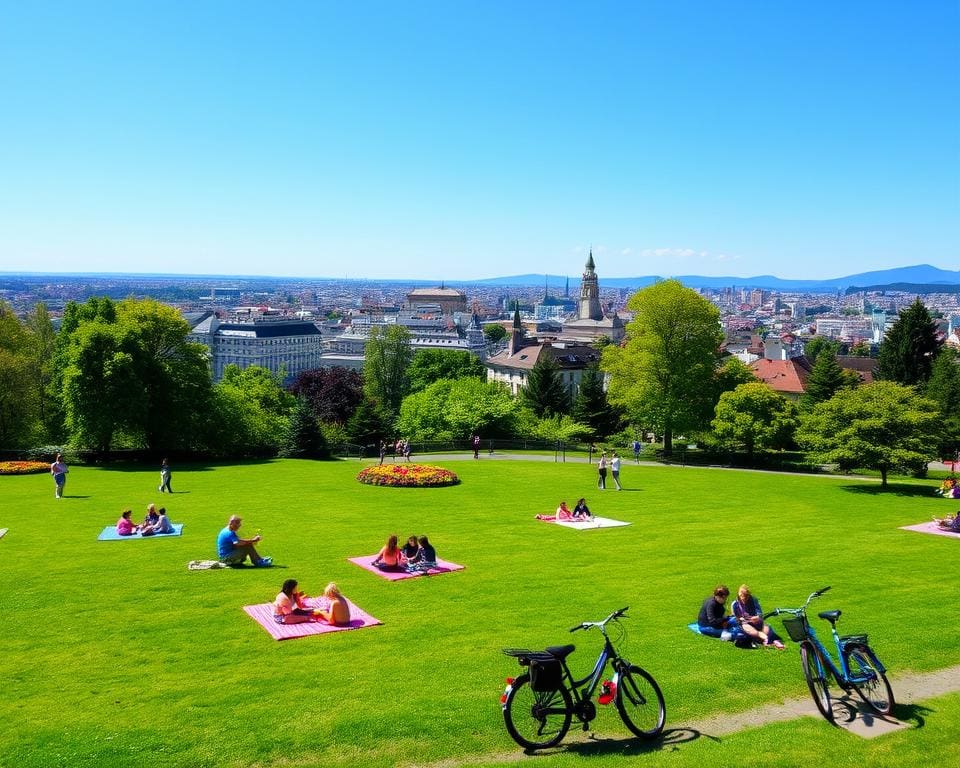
(859, 668)
(539, 705)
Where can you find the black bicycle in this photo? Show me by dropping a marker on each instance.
(539, 705)
(858, 669)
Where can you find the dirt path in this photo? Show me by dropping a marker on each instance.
(907, 689)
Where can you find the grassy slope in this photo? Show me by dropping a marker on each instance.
(115, 654)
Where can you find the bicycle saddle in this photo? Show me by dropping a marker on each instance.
(830, 616)
(560, 651)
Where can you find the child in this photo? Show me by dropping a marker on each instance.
(126, 526)
(338, 612)
(289, 606)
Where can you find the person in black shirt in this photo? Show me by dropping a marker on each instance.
(409, 550)
(712, 618)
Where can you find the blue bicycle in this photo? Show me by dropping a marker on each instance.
(859, 668)
(539, 705)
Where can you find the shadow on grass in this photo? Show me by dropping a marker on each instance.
(601, 747)
(891, 489)
(915, 714)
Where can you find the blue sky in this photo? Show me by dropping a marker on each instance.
(456, 140)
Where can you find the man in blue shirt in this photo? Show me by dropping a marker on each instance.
(233, 550)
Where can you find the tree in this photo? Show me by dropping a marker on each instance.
(544, 392)
(591, 407)
(910, 347)
(944, 389)
(303, 438)
(494, 332)
(448, 410)
(367, 425)
(731, 373)
(387, 356)
(19, 397)
(430, 365)
(43, 340)
(861, 349)
(754, 416)
(884, 426)
(825, 380)
(333, 393)
(816, 345)
(662, 374)
(249, 412)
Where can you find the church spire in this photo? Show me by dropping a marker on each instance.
(589, 308)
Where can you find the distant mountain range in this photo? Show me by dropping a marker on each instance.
(906, 278)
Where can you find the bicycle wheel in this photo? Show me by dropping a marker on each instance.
(536, 719)
(816, 676)
(640, 702)
(871, 684)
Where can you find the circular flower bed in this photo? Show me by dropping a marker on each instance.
(408, 476)
(22, 467)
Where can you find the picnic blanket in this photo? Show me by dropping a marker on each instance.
(263, 615)
(366, 562)
(3, 532)
(584, 525)
(205, 565)
(732, 634)
(930, 527)
(110, 534)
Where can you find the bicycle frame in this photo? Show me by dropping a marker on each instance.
(584, 688)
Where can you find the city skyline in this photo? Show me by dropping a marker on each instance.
(477, 140)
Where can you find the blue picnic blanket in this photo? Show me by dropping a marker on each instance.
(110, 534)
(730, 633)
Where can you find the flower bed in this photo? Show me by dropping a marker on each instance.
(23, 467)
(408, 476)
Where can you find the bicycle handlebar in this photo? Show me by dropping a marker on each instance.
(797, 611)
(615, 615)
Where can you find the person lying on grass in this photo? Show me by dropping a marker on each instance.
(563, 513)
(126, 526)
(388, 558)
(289, 606)
(338, 612)
(426, 557)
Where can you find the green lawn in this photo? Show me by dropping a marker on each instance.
(114, 654)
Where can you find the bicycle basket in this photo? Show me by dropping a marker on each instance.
(849, 640)
(797, 628)
(546, 674)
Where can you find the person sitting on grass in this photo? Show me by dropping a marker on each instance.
(233, 550)
(162, 524)
(949, 523)
(338, 611)
(289, 606)
(563, 512)
(388, 558)
(126, 526)
(747, 612)
(151, 517)
(582, 511)
(408, 551)
(712, 619)
(426, 557)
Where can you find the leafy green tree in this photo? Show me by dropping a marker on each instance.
(303, 438)
(387, 355)
(250, 412)
(333, 393)
(367, 426)
(944, 389)
(430, 365)
(730, 374)
(591, 407)
(559, 427)
(19, 397)
(861, 349)
(662, 375)
(494, 332)
(910, 347)
(884, 426)
(449, 410)
(816, 345)
(754, 416)
(824, 381)
(43, 340)
(544, 392)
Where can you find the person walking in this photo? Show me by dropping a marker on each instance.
(615, 470)
(59, 471)
(602, 471)
(383, 450)
(165, 476)
(475, 441)
(636, 450)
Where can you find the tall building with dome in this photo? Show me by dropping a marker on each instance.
(590, 322)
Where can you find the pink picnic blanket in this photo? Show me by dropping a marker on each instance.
(930, 527)
(263, 615)
(366, 563)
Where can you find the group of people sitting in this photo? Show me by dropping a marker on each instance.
(156, 521)
(746, 616)
(416, 555)
(949, 523)
(579, 512)
(290, 606)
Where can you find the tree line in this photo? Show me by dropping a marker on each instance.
(124, 374)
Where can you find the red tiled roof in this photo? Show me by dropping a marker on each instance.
(787, 376)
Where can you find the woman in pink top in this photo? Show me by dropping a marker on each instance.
(563, 512)
(289, 606)
(388, 558)
(126, 526)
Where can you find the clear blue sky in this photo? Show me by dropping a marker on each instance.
(455, 140)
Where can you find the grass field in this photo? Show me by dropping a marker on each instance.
(114, 654)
